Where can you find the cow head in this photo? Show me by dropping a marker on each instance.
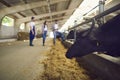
(81, 47)
(70, 35)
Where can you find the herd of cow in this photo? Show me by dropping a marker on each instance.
(105, 39)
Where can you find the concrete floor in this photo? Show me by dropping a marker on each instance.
(19, 61)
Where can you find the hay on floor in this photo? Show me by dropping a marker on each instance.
(58, 67)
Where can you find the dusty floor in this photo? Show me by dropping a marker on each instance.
(18, 61)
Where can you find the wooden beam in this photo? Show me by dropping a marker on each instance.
(49, 8)
(21, 14)
(5, 3)
(33, 11)
(44, 15)
(49, 20)
(19, 8)
(8, 5)
(25, 1)
(73, 4)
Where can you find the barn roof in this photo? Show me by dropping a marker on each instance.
(49, 10)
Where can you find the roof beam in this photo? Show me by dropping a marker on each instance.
(33, 11)
(25, 1)
(21, 14)
(60, 18)
(8, 5)
(48, 1)
(5, 3)
(27, 19)
(24, 7)
(73, 4)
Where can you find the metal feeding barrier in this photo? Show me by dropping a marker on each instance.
(99, 17)
(113, 9)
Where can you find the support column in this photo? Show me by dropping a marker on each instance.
(101, 9)
(26, 27)
(16, 27)
(1, 17)
(101, 6)
(75, 30)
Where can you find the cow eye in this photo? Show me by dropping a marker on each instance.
(98, 43)
(95, 42)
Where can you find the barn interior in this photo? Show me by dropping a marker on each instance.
(19, 61)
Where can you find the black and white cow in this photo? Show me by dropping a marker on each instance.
(106, 39)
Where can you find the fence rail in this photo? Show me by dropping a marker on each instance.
(113, 9)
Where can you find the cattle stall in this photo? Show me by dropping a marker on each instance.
(106, 65)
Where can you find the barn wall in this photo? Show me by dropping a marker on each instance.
(7, 32)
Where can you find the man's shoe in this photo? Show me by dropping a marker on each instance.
(43, 44)
(31, 45)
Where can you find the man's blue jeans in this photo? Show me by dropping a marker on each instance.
(59, 34)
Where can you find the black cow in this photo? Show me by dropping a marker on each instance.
(106, 39)
(78, 33)
(70, 35)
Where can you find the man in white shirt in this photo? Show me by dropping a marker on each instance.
(55, 30)
(32, 31)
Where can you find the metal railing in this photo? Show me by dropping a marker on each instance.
(113, 9)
